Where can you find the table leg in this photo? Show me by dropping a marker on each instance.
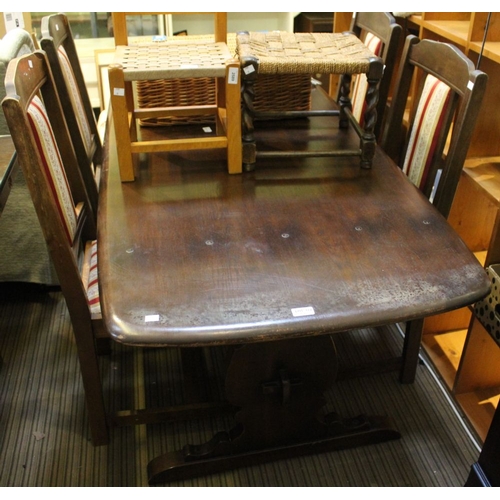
(279, 390)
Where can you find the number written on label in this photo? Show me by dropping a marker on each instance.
(233, 76)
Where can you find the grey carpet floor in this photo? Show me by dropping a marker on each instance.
(44, 435)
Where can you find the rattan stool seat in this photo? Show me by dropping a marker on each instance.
(153, 61)
(298, 53)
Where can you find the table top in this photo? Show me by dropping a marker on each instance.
(190, 255)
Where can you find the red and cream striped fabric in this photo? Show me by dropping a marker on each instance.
(361, 84)
(76, 99)
(426, 127)
(52, 165)
(93, 284)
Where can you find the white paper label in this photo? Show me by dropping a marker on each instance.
(470, 85)
(303, 311)
(13, 20)
(249, 69)
(233, 76)
(117, 91)
(151, 317)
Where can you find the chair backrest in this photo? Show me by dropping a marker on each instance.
(380, 32)
(448, 95)
(120, 24)
(15, 43)
(58, 43)
(46, 155)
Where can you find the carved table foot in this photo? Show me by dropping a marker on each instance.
(279, 389)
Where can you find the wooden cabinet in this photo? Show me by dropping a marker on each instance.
(465, 355)
(315, 22)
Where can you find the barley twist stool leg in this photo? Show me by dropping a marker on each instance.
(344, 100)
(250, 68)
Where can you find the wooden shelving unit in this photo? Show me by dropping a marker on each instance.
(465, 355)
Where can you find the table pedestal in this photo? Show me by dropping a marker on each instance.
(279, 390)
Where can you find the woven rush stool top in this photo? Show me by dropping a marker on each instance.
(172, 60)
(281, 52)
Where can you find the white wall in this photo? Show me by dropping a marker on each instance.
(236, 21)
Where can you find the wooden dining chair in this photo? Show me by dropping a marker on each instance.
(58, 43)
(381, 33)
(431, 148)
(175, 59)
(37, 124)
(36, 120)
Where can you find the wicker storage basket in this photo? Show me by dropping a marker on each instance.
(282, 93)
(272, 92)
(176, 92)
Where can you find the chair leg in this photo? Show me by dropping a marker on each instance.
(92, 384)
(121, 120)
(411, 350)
(233, 117)
(103, 346)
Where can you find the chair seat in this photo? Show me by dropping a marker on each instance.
(90, 278)
(192, 60)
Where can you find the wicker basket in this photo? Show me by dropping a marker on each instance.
(282, 93)
(272, 92)
(176, 92)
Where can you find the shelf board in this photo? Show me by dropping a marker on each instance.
(491, 49)
(486, 173)
(481, 256)
(416, 19)
(455, 31)
(478, 407)
(444, 351)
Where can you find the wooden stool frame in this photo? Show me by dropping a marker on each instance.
(227, 109)
(250, 70)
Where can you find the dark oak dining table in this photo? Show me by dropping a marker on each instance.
(274, 262)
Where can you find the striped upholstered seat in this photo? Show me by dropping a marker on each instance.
(76, 98)
(58, 44)
(53, 166)
(93, 281)
(425, 132)
(58, 182)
